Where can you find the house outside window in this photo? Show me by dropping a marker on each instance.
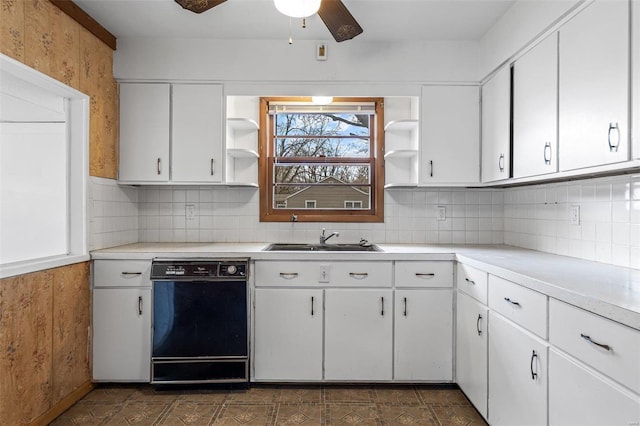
(326, 161)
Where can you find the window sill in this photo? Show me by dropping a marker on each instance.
(26, 267)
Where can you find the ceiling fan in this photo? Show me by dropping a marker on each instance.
(341, 24)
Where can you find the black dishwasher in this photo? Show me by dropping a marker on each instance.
(200, 321)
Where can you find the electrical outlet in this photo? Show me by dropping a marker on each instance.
(324, 275)
(574, 215)
(441, 213)
(190, 211)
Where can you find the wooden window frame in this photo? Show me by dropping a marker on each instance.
(266, 163)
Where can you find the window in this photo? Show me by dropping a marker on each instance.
(321, 162)
(43, 171)
(353, 204)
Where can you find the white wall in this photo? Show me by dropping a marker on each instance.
(113, 214)
(240, 62)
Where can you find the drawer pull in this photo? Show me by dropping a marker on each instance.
(130, 274)
(358, 275)
(139, 305)
(478, 325)
(425, 275)
(382, 306)
(312, 299)
(588, 339)
(534, 374)
(405, 307)
(288, 275)
(512, 302)
(470, 281)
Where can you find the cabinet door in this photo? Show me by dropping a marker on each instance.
(144, 132)
(358, 334)
(121, 334)
(471, 351)
(535, 100)
(577, 396)
(423, 335)
(594, 86)
(288, 334)
(517, 375)
(196, 133)
(450, 147)
(496, 124)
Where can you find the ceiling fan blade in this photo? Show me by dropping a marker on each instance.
(340, 22)
(199, 6)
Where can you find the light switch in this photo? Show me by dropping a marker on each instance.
(574, 215)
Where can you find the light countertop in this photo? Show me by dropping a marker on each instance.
(607, 290)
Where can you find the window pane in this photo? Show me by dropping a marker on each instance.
(329, 175)
(33, 173)
(305, 124)
(322, 197)
(322, 147)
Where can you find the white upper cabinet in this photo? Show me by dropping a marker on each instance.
(170, 133)
(450, 145)
(635, 75)
(496, 126)
(535, 100)
(144, 132)
(594, 86)
(196, 133)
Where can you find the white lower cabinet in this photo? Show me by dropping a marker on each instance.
(121, 334)
(288, 334)
(471, 350)
(517, 375)
(358, 334)
(580, 396)
(423, 335)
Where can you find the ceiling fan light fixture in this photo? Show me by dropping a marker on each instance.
(297, 8)
(321, 100)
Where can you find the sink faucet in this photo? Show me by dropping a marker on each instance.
(323, 238)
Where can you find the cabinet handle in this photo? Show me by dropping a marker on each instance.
(501, 163)
(547, 153)
(382, 306)
(613, 147)
(478, 325)
(405, 307)
(601, 345)
(288, 275)
(470, 281)
(425, 275)
(212, 166)
(358, 275)
(139, 305)
(512, 302)
(431, 168)
(534, 374)
(159, 165)
(129, 274)
(312, 299)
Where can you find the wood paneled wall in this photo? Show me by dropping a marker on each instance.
(45, 316)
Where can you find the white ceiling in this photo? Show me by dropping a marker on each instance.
(382, 20)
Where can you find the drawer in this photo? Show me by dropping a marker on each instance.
(285, 274)
(326, 274)
(580, 333)
(472, 281)
(121, 273)
(521, 305)
(424, 274)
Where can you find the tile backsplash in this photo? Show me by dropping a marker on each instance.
(535, 217)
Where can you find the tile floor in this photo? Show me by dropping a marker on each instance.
(274, 405)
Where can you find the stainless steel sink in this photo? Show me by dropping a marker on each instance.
(321, 247)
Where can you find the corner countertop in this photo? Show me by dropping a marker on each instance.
(607, 290)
